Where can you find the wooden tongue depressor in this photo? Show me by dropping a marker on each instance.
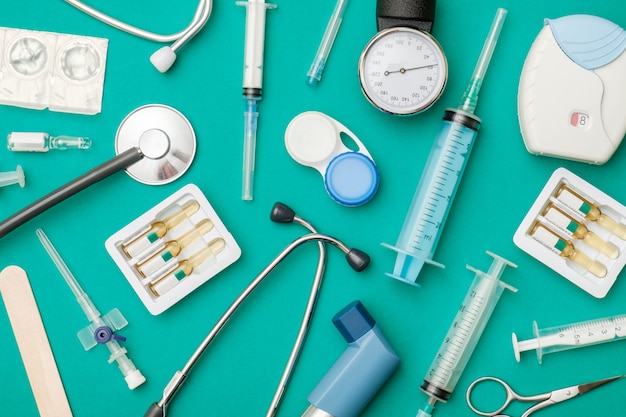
(33, 344)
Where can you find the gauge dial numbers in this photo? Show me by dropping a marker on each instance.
(403, 71)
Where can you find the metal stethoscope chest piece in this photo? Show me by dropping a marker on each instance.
(403, 70)
(155, 144)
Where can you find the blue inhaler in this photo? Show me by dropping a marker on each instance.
(314, 139)
(359, 373)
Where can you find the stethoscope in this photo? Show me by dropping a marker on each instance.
(163, 58)
(357, 259)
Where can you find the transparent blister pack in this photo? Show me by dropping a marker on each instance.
(576, 230)
(52, 70)
(173, 248)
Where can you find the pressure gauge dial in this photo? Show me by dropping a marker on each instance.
(403, 70)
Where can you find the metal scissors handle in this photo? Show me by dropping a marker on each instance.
(544, 400)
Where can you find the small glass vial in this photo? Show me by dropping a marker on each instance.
(42, 142)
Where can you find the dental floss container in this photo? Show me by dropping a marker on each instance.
(572, 90)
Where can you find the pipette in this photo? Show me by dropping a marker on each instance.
(319, 62)
(13, 177)
(440, 179)
(101, 329)
(571, 336)
(464, 333)
(252, 85)
(43, 142)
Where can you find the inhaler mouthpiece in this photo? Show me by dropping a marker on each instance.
(163, 59)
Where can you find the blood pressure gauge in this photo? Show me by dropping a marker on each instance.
(403, 69)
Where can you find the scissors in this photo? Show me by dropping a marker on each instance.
(544, 400)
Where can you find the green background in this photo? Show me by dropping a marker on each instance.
(238, 373)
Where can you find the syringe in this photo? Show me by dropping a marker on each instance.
(442, 174)
(464, 333)
(101, 329)
(586, 333)
(252, 84)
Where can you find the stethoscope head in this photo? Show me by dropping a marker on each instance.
(165, 139)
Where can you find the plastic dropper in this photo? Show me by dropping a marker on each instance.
(13, 177)
(101, 329)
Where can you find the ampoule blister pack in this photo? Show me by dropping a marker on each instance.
(172, 249)
(576, 230)
(57, 71)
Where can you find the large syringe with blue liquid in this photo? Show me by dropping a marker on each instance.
(442, 174)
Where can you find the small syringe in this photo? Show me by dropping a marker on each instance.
(464, 334)
(13, 177)
(571, 336)
(43, 142)
(442, 174)
(101, 329)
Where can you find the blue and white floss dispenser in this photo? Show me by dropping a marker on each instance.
(313, 139)
(360, 371)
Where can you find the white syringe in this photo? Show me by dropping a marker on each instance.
(101, 329)
(442, 174)
(464, 333)
(571, 336)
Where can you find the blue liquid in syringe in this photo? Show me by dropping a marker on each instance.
(434, 195)
(442, 174)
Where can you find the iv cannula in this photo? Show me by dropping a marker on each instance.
(319, 62)
(440, 179)
(101, 328)
(252, 85)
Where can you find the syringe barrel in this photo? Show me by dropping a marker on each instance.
(465, 331)
(435, 192)
(571, 336)
(254, 45)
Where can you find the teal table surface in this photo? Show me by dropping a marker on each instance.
(238, 373)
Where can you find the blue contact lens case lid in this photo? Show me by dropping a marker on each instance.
(314, 139)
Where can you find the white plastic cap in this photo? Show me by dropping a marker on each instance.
(163, 59)
(134, 379)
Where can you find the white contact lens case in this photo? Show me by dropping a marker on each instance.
(539, 226)
(313, 139)
(161, 287)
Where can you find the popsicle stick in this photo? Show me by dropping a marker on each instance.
(33, 344)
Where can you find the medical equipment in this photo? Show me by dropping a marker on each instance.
(360, 371)
(158, 154)
(282, 214)
(571, 336)
(43, 142)
(442, 174)
(403, 69)
(319, 62)
(163, 58)
(464, 333)
(33, 344)
(566, 249)
(313, 139)
(542, 400)
(13, 177)
(252, 85)
(586, 123)
(576, 230)
(57, 71)
(173, 248)
(101, 329)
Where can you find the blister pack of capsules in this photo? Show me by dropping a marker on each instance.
(173, 248)
(57, 71)
(578, 231)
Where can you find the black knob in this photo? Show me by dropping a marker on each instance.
(357, 259)
(282, 213)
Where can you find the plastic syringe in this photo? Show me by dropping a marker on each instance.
(101, 329)
(440, 179)
(571, 336)
(319, 62)
(464, 334)
(252, 85)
